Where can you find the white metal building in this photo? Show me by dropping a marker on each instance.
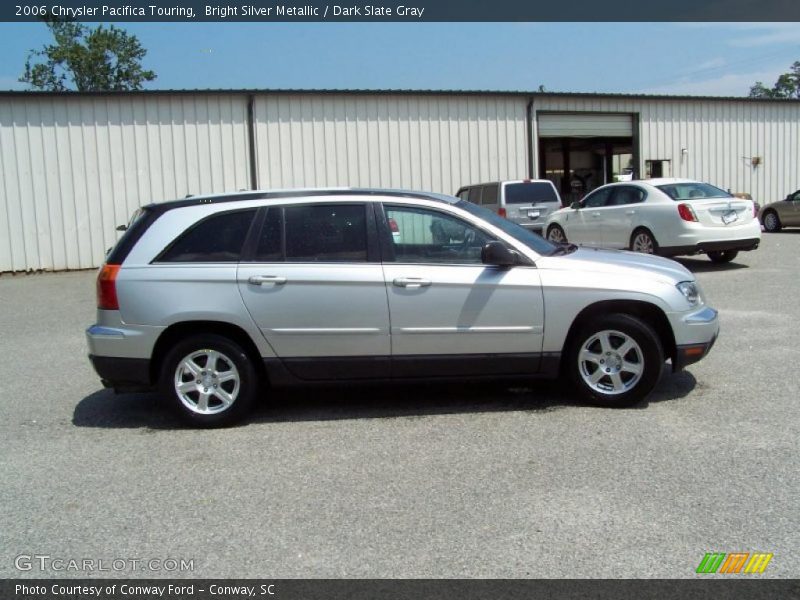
(73, 166)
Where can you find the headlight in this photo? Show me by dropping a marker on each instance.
(690, 291)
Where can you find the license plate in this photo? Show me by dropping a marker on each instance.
(533, 214)
(729, 217)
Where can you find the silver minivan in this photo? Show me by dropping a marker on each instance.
(527, 202)
(214, 299)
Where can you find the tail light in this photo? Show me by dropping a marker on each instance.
(686, 212)
(107, 288)
(502, 212)
(393, 226)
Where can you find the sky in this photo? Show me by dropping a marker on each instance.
(722, 59)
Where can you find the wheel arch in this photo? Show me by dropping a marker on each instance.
(650, 313)
(183, 329)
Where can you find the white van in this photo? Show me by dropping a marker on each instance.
(527, 202)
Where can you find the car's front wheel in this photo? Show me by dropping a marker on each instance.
(556, 235)
(209, 379)
(722, 256)
(615, 360)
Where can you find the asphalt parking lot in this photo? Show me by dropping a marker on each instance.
(435, 481)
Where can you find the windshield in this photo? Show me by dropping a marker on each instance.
(530, 192)
(533, 241)
(692, 191)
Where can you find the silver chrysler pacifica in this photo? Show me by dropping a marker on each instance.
(212, 299)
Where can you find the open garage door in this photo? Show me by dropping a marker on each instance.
(581, 151)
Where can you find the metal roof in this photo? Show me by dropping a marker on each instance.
(405, 92)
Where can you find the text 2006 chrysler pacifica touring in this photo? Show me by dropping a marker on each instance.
(211, 299)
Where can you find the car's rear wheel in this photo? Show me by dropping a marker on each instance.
(772, 222)
(556, 235)
(722, 256)
(643, 241)
(209, 380)
(615, 361)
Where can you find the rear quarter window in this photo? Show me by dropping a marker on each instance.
(218, 238)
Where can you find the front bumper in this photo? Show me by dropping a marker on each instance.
(695, 335)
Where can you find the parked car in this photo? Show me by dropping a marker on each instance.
(527, 202)
(211, 299)
(786, 213)
(669, 217)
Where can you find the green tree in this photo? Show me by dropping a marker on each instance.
(787, 86)
(86, 59)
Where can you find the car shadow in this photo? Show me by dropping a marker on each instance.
(104, 409)
(704, 265)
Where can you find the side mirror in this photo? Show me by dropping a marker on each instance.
(122, 228)
(497, 254)
(575, 205)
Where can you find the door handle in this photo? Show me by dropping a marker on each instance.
(261, 279)
(411, 282)
(595, 215)
(630, 212)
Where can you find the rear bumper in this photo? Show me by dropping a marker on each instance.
(704, 247)
(123, 374)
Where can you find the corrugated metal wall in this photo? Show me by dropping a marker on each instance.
(720, 138)
(427, 142)
(74, 168)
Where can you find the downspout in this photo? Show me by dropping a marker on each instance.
(529, 135)
(251, 140)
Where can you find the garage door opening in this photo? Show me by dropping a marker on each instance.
(580, 152)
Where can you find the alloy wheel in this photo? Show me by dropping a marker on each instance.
(610, 362)
(207, 382)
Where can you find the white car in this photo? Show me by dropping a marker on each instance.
(669, 217)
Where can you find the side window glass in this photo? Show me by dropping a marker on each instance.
(475, 195)
(427, 236)
(462, 194)
(216, 239)
(489, 194)
(326, 232)
(596, 199)
(269, 242)
(626, 195)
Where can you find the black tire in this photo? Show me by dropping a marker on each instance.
(643, 238)
(722, 256)
(233, 362)
(558, 231)
(771, 221)
(647, 354)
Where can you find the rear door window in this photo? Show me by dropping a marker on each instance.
(218, 238)
(626, 195)
(326, 233)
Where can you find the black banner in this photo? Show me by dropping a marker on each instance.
(734, 587)
(412, 11)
